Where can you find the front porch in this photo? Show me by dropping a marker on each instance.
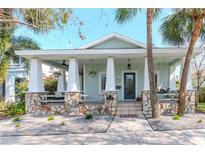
(105, 72)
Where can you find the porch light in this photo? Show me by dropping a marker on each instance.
(92, 73)
(128, 65)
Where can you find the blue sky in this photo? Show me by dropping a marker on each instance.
(97, 23)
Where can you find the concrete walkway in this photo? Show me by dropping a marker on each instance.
(126, 131)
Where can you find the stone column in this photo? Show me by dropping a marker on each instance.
(36, 80)
(110, 100)
(146, 102)
(33, 104)
(172, 78)
(146, 75)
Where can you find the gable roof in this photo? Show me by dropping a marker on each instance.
(113, 36)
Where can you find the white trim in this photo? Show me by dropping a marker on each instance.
(122, 82)
(99, 81)
(103, 53)
(113, 35)
(84, 79)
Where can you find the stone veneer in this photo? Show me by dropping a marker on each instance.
(166, 107)
(36, 105)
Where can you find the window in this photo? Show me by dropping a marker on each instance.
(102, 81)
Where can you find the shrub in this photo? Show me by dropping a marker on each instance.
(62, 123)
(176, 117)
(88, 116)
(20, 91)
(16, 119)
(17, 125)
(50, 118)
(3, 106)
(16, 108)
(199, 121)
(50, 84)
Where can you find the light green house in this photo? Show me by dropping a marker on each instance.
(111, 63)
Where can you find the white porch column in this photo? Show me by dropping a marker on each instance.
(172, 78)
(110, 75)
(61, 81)
(189, 85)
(73, 76)
(36, 83)
(146, 75)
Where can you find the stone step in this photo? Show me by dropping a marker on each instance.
(130, 109)
(130, 104)
(129, 112)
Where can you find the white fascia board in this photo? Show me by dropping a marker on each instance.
(86, 53)
(113, 35)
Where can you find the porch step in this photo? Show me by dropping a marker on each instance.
(129, 109)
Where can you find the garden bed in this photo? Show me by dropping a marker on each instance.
(188, 121)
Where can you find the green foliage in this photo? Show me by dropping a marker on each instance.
(50, 84)
(201, 107)
(199, 121)
(88, 116)
(16, 108)
(50, 118)
(176, 117)
(17, 125)
(3, 106)
(20, 91)
(16, 119)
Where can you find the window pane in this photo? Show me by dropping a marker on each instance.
(103, 81)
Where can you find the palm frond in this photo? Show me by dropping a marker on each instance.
(124, 14)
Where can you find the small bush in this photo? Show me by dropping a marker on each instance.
(16, 119)
(17, 108)
(88, 116)
(18, 125)
(62, 123)
(176, 117)
(50, 118)
(199, 121)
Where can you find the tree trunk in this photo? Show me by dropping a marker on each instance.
(183, 83)
(153, 88)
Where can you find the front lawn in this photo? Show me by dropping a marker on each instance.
(201, 107)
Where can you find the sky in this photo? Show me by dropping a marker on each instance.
(96, 24)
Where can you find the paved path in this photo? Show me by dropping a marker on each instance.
(121, 131)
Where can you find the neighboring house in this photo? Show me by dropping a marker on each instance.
(112, 63)
(16, 74)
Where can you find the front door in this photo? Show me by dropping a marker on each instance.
(129, 85)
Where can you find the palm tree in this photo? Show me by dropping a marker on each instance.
(184, 27)
(122, 15)
(17, 43)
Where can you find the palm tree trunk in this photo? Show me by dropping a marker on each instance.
(153, 89)
(194, 37)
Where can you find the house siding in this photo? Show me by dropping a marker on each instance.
(92, 83)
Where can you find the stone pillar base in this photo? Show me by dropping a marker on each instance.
(110, 101)
(72, 102)
(147, 108)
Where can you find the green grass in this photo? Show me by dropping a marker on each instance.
(201, 107)
(17, 125)
(16, 119)
(88, 116)
(50, 118)
(199, 121)
(176, 117)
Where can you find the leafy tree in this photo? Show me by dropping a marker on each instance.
(123, 15)
(184, 27)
